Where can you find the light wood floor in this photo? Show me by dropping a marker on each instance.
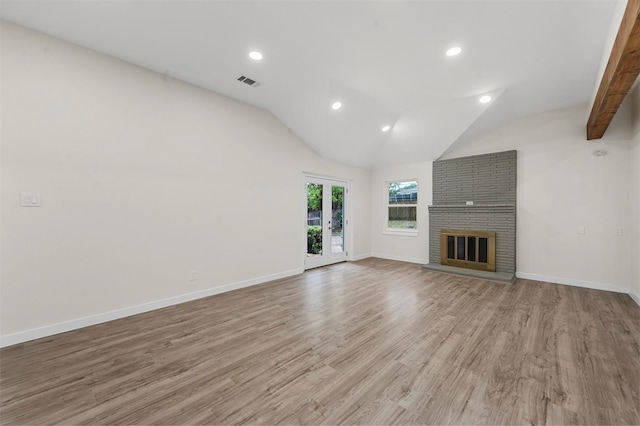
(368, 342)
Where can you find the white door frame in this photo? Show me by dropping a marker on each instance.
(327, 257)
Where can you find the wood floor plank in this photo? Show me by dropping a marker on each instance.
(367, 342)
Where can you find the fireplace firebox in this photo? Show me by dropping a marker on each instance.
(468, 249)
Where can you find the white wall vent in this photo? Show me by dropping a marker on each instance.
(251, 82)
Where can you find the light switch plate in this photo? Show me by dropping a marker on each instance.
(30, 199)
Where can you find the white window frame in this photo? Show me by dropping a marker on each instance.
(409, 232)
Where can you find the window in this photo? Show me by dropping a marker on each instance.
(402, 205)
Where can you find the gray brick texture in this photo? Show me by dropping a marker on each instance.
(490, 182)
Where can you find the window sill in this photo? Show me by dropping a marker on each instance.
(401, 232)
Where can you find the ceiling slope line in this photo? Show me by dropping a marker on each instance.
(620, 73)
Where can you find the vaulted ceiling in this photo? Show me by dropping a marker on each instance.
(384, 60)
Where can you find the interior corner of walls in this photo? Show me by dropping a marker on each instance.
(357, 257)
(574, 282)
(635, 297)
(635, 109)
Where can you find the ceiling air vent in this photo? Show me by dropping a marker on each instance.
(251, 82)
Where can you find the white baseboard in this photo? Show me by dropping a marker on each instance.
(573, 282)
(360, 257)
(400, 258)
(49, 330)
(61, 327)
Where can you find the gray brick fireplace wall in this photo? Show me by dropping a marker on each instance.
(489, 181)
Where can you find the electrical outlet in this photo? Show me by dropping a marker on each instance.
(619, 231)
(193, 276)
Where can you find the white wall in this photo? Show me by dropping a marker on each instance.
(562, 186)
(143, 179)
(414, 248)
(634, 194)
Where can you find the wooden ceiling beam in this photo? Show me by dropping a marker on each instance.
(621, 72)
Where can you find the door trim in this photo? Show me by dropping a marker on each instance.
(347, 234)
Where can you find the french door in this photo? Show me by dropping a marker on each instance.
(326, 222)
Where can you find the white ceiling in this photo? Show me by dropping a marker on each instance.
(385, 60)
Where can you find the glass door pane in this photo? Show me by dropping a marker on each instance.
(314, 220)
(461, 248)
(325, 226)
(337, 209)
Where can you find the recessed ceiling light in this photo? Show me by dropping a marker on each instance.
(454, 51)
(485, 99)
(386, 128)
(255, 55)
(336, 105)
